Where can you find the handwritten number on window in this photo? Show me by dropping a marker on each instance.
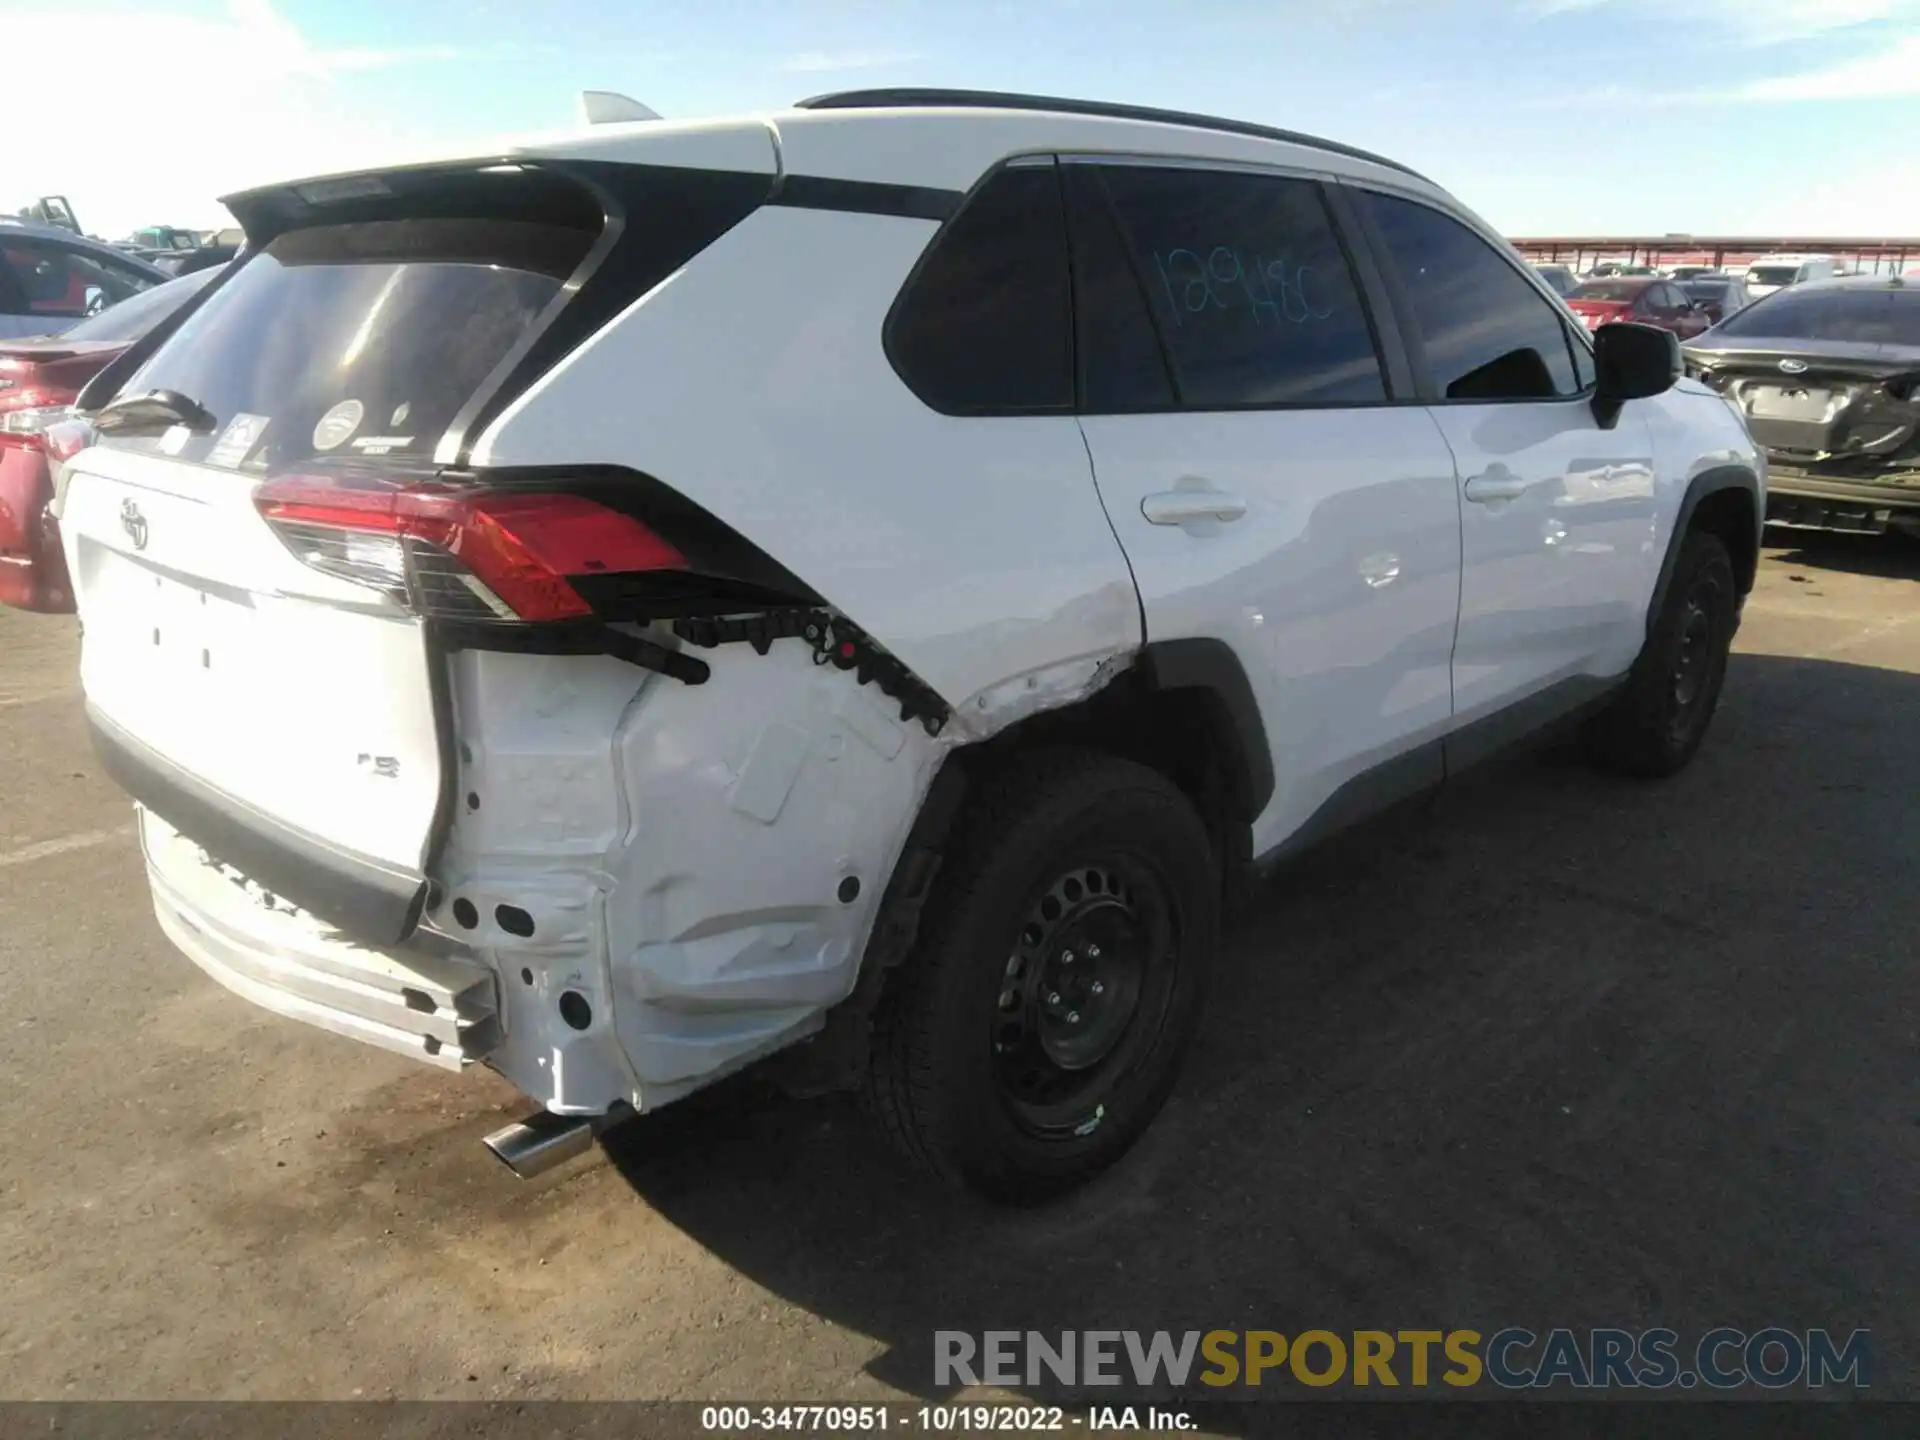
(1270, 291)
(1196, 287)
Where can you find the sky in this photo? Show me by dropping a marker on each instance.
(1548, 117)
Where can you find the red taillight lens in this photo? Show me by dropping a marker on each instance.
(27, 425)
(508, 552)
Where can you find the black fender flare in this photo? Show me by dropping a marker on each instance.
(1208, 664)
(1708, 482)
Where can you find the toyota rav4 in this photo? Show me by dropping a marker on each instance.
(865, 582)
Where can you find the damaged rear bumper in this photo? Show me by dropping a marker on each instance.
(441, 1009)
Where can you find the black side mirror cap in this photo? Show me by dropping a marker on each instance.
(1632, 362)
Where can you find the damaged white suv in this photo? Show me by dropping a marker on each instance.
(861, 582)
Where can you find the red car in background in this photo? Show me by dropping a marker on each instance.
(1644, 300)
(39, 380)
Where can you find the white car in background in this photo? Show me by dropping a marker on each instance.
(864, 582)
(1775, 272)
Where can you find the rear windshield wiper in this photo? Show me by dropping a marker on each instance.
(150, 411)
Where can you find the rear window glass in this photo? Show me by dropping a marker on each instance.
(359, 339)
(1869, 316)
(1774, 274)
(1615, 290)
(1705, 289)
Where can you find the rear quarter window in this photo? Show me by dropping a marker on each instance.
(982, 327)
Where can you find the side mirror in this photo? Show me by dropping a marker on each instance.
(96, 299)
(1632, 362)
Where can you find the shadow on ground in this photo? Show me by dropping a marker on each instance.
(1571, 1051)
(1888, 557)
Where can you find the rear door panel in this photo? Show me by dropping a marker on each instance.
(1334, 572)
(1337, 589)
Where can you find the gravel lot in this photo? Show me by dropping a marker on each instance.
(1570, 1051)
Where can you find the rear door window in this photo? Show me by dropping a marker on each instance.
(359, 339)
(1248, 285)
(1624, 291)
(983, 327)
(1488, 333)
(1123, 364)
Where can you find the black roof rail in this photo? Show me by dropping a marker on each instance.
(908, 97)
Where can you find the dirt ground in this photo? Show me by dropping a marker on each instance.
(1569, 1051)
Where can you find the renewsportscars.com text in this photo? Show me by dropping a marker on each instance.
(1513, 1358)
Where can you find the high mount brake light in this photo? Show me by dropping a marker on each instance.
(475, 553)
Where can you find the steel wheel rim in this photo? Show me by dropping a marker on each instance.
(1690, 677)
(1082, 993)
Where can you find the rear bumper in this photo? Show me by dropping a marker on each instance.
(1798, 497)
(442, 1009)
(373, 902)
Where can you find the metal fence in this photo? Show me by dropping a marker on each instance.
(1868, 257)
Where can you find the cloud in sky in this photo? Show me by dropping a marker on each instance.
(1755, 22)
(1888, 71)
(820, 62)
(241, 98)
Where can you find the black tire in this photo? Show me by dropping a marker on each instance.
(1064, 849)
(1659, 720)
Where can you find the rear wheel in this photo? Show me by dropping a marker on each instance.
(1040, 1025)
(1659, 720)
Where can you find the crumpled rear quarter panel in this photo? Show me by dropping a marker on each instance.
(701, 864)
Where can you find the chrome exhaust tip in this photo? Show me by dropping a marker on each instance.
(544, 1140)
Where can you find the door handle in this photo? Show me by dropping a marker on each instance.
(1184, 507)
(1499, 483)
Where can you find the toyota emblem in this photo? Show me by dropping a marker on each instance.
(134, 523)
(1794, 367)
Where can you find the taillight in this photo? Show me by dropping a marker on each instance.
(461, 552)
(27, 425)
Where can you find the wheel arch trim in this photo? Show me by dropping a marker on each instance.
(1711, 481)
(1208, 664)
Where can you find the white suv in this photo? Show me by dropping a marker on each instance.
(862, 582)
(1776, 272)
